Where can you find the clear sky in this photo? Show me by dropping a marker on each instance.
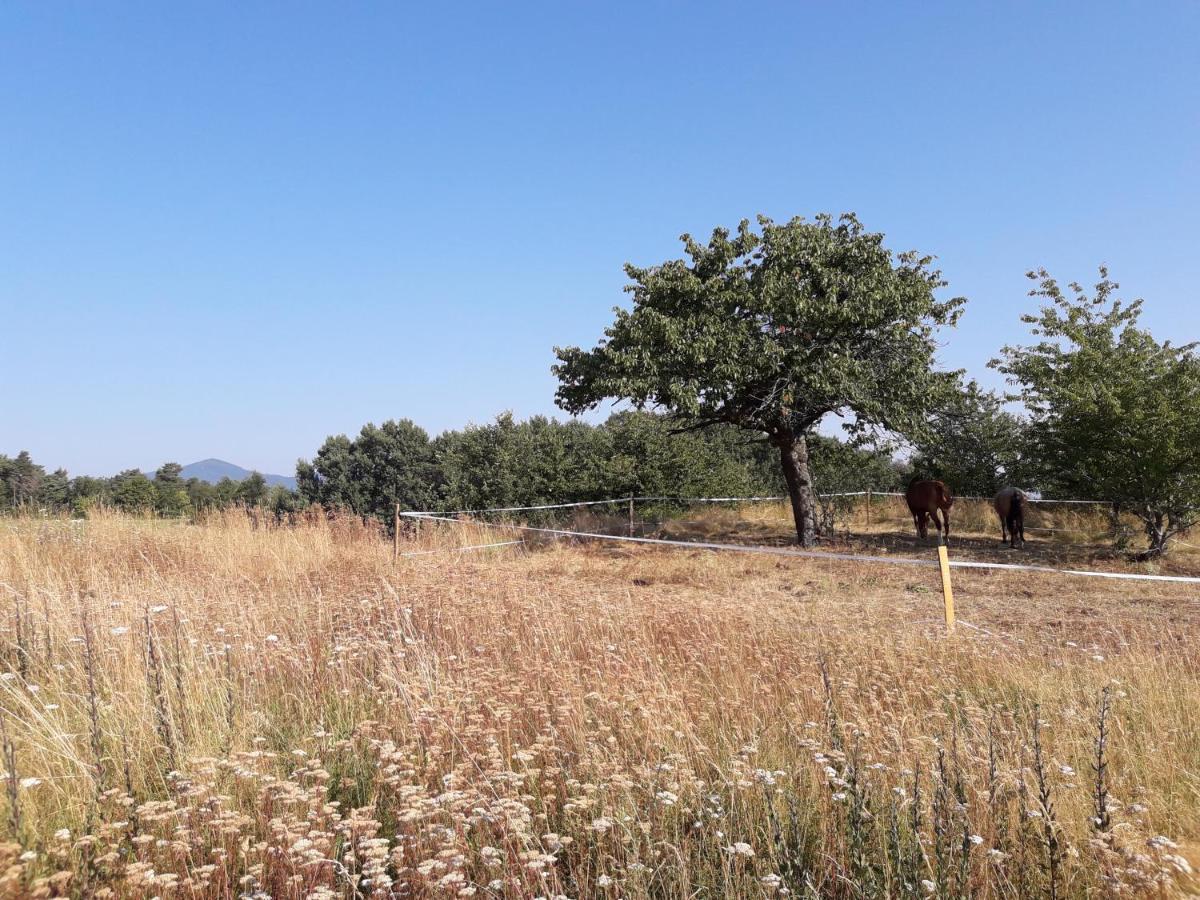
(233, 229)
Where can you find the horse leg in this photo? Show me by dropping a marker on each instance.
(937, 523)
(1003, 530)
(946, 522)
(923, 525)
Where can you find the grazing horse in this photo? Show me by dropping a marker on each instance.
(1010, 507)
(924, 499)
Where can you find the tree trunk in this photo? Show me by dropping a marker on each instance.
(793, 456)
(1157, 535)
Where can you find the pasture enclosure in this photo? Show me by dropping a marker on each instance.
(237, 709)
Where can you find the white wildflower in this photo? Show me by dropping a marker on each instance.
(1181, 865)
(740, 848)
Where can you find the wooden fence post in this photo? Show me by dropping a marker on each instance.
(947, 590)
(396, 535)
(631, 517)
(868, 509)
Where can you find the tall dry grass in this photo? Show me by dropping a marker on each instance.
(241, 710)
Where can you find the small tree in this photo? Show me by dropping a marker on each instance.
(1115, 414)
(252, 490)
(172, 496)
(771, 332)
(133, 492)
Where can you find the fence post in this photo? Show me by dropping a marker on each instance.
(868, 509)
(396, 534)
(947, 590)
(631, 517)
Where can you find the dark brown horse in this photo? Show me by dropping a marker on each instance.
(1010, 507)
(924, 499)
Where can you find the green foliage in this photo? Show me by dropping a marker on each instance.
(509, 463)
(252, 490)
(133, 492)
(171, 496)
(1115, 414)
(389, 464)
(651, 458)
(20, 480)
(973, 444)
(771, 332)
(54, 490)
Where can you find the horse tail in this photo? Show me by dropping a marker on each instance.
(1015, 510)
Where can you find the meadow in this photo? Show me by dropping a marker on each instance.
(236, 709)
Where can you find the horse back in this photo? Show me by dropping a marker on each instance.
(927, 496)
(1004, 500)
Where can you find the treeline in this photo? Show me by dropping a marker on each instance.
(543, 460)
(27, 486)
(506, 462)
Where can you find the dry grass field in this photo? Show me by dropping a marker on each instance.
(235, 710)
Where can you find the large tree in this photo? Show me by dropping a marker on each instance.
(770, 331)
(1115, 414)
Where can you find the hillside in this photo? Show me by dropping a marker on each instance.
(213, 470)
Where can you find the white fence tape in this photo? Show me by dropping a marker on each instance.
(459, 512)
(816, 554)
(665, 499)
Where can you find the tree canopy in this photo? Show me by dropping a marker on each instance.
(770, 331)
(1114, 413)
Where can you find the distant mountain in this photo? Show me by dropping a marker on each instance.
(213, 470)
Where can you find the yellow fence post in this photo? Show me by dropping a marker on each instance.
(947, 590)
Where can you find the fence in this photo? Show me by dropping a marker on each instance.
(943, 561)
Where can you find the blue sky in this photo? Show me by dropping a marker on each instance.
(231, 230)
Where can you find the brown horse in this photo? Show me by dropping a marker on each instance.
(924, 499)
(1010, 507)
